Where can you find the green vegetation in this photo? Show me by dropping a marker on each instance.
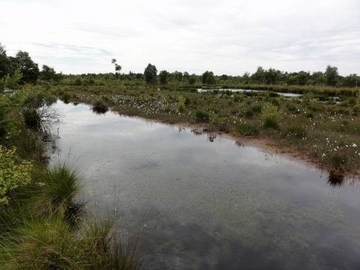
(42, 225)
(99, 107)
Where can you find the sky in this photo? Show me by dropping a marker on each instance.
(224, 36)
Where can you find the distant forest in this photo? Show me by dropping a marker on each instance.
(21, 69)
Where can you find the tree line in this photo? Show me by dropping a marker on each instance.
(21, 69)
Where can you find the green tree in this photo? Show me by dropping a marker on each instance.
(4, 62)
(117, 67)
(186, 75)
(318, 78)
(49, 74)
(178, 76)
(163, 77)
(331, 75)
(150, 74)
(259, 75)
(29, 69)
(192, 79)
(208, 78)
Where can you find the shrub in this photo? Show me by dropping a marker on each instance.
(296, 131)
(247, 129)
(202, 117)
(32, 119)
(256, 108)
(249, 114)
(59, 187)
(181, 104)
(100, 107)
(271, 123)
(13, 173)
(270, 115)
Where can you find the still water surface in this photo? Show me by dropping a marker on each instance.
(209, 203)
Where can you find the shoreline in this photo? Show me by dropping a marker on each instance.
(265, 144)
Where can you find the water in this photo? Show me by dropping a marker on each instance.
(210, 203)
(289, 95)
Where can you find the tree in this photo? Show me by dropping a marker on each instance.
(192, 79)
(246, 78)
(49, 74)
(4, 62)
(29, 69)
(178, 75)
(318, 78)
(150, 74)
(117, 67)
(163, 77)
(331, 75)
(208, 78)
(186, 75)
(259, 75)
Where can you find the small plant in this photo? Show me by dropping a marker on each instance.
(256, 108)
(201, 117)
(181, 103)
(13, 173)
(246, 129)
(59, 186)
(100, 107)
(296, 131)
(249, 114)
(270, 114)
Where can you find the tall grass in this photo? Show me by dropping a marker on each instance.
(50, 244)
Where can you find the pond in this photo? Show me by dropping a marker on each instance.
(206, 201)
(289, 95)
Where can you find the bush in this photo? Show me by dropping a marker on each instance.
(256, 108)
(247, 129)
(32, 119)
(296, 131)
(270, 115)
(271, 123)
(13, 173)
(202, 117)
(100, 107)
(59, 185)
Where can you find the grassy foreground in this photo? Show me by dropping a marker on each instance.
(41, 224)
(320, 126)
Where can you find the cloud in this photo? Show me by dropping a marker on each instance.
(224, 36)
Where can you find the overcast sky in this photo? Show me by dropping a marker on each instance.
(225, 36)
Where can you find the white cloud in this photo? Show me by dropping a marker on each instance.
(224, 36)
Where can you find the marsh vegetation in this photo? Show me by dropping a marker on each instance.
(42, 225)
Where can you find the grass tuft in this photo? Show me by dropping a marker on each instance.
(100, 107)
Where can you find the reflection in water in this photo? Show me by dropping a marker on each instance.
(336, 179)
(239, 143)
(211, 137)
(210, 205)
